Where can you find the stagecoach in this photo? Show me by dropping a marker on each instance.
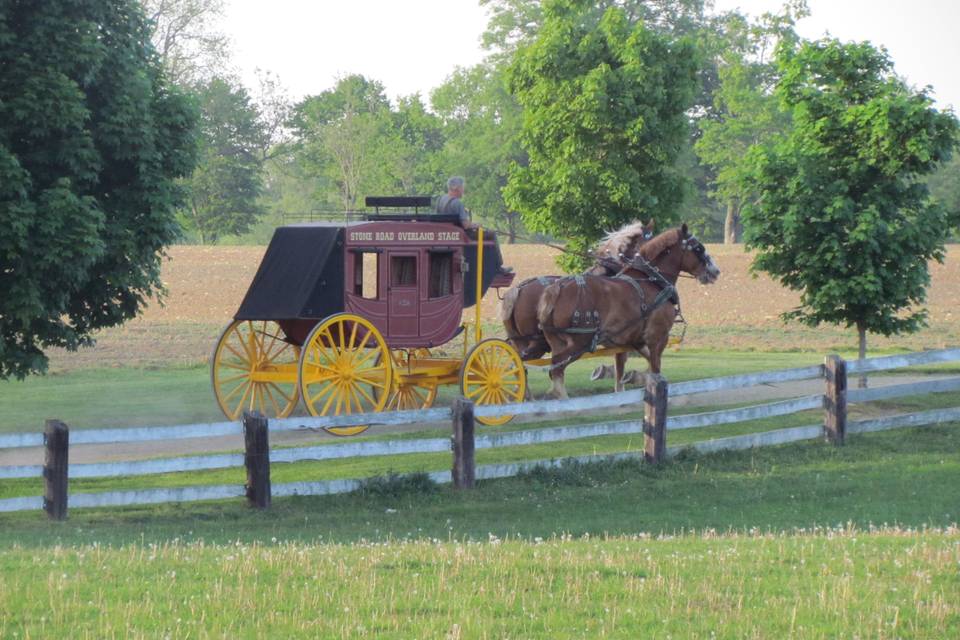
(367, 316)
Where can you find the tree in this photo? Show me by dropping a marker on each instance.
(185, 36)
(92, 140)
(744, 110)
(228, 179)
(843, 215)
(482, 123)
(945, 187)
(344, 135)
(604, 121)
(420, 138)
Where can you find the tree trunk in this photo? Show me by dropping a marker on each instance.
(731, 222)
(862, 331)
(512, 226)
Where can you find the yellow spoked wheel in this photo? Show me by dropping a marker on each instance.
(493, 374)
(345, 369)
(254, 368)
(409, 392)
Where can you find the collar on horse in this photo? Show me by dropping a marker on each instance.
(668, 292)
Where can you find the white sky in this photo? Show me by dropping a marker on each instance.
(413, 45)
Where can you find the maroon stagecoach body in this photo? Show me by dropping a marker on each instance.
(410, 274)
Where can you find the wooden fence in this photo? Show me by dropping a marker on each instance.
(655, 425)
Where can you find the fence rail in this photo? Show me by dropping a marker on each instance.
(654, 425)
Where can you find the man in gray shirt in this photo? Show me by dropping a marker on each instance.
(451, 202)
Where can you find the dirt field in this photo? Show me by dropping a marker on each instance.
(205, 286)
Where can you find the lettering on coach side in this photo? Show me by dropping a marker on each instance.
(405, 236)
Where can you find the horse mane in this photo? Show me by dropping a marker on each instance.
(659, 243)
(617, 242)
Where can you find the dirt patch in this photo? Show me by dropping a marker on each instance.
(206, 284)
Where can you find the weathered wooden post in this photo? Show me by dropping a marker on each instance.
(655, 419)
(835, 400)
(56, 440)
(464, 468)
(257, 459)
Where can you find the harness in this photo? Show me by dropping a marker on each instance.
(590, 324)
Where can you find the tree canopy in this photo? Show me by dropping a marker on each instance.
(843, 215)
(225, 187)
(604, 120)
(92, 140)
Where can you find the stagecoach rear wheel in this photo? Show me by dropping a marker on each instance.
(410, 393)
(493, 373)
(345, 369)
(254, 368)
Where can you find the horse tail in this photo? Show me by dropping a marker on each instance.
(548, 301)
(506, 312)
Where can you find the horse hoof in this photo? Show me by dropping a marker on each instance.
(601, 372)
(633, 377)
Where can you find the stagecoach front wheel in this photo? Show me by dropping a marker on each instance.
(254, 368)
(493, 374)
(345, 368)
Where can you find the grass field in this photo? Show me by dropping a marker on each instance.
(804, 540)
(845, 583)
(138, 396)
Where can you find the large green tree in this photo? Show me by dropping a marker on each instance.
(604, 121)
(843, 215)
(343, 137)
(225, 187)
(92, 140)
(744, 111)
(482, 123)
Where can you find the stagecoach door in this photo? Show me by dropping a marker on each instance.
(403, 295)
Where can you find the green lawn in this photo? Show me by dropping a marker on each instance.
(908, 476)
(841, 584)
(804, 540)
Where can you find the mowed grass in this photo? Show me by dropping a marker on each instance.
(126, 396)
(828, 584)
(907, 477)
(804, 540)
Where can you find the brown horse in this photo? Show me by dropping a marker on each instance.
(635, 309)
(519, 308)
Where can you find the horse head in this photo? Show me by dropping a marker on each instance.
(677, 251)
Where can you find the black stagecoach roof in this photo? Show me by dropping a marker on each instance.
(300, 276)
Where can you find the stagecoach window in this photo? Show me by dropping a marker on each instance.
(365, 269)
(403, 271)
(441, 274)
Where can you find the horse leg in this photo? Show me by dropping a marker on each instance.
(559, 388)
(619, 362)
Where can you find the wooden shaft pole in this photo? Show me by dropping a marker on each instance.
(478, 334)
(257, 459)
(56, 439)
(655, 419)
(464, 466)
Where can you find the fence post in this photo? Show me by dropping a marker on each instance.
(655, 419)
(257, 459)
(464, 468)
(835, 400)
(56, 440)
